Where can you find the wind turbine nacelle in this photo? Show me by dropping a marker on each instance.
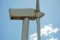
(22, 13)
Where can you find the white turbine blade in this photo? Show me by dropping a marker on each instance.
(38, 28)
(37, 6)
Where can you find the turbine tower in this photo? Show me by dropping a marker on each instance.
(26, 15)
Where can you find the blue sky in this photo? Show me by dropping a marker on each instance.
(12, 29)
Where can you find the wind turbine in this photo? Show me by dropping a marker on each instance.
(26, 15)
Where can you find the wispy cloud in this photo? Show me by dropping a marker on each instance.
(47, 30)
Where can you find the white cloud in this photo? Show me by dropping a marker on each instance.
(33, 37)
(52, 38)
(47, 30)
